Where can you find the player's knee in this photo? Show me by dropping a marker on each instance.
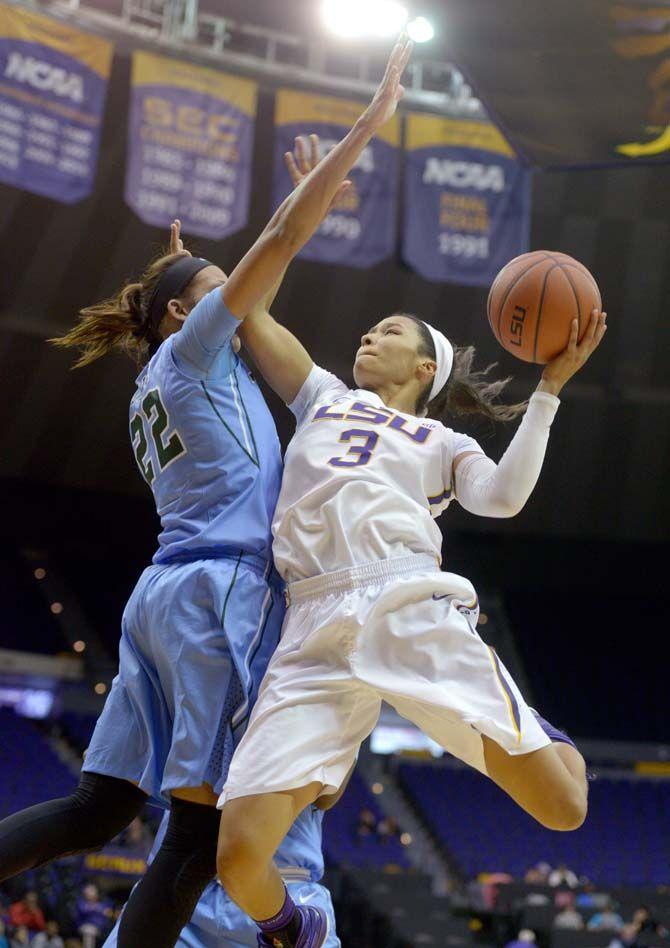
(567, 811)
(239, 857)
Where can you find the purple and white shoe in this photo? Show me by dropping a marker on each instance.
(313, 931)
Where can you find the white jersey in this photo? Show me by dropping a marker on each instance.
(362, 482)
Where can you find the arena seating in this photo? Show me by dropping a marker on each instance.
(31, 771)
(413, 912)
(625, 839)
(343, 846)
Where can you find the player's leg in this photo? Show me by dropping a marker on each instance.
(201, 643)
(218, 923)
(551, 786)
(165, 899)
(453, 686)
(541, 783)
(305, 734)
(251, 831)
(98, 810)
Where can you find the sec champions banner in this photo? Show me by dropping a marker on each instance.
(190, 144)
(361, 232)
(53, 83)
(467, 200)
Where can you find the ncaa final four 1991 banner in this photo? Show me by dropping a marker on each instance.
(190, 143)
(467, 200)
(362, 231)
(53, 83)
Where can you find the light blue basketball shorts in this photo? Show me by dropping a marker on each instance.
(218, 923)
(196, 640)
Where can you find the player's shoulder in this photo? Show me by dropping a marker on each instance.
(438, 428)
(320, 387)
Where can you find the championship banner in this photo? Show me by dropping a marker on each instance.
(467, 200)
(53, 83)
(190, 144)
(362, 232)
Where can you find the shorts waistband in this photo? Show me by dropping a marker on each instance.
(258, 564)
(343, 580)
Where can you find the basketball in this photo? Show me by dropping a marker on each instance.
(533, 301)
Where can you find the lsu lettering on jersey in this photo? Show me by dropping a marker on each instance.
(362, 482)
(205, 441)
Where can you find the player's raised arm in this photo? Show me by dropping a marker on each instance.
(271, 346)
(279, 356)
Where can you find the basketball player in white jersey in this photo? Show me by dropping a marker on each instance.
(371, 616)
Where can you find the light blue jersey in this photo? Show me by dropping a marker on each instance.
(218, 922)
(205, 441)
(203, 621)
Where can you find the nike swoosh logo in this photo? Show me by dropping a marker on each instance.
(437, 598)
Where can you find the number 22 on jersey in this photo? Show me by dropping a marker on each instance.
(167, 446)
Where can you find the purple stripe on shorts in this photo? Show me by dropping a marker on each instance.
(508, 691)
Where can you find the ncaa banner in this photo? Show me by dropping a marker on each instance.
(190, 144)
(362, 231)
(53, 83)
(467, 200)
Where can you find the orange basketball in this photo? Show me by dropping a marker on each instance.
(533, 301)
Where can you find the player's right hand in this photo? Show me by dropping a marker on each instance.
(300, 163)
(176, 243)
(390, 91)
(557, 372)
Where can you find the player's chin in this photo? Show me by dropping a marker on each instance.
(364, 374)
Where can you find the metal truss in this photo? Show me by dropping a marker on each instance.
(311, 61)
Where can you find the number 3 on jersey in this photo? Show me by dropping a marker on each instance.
(360, 453)
(168, 450)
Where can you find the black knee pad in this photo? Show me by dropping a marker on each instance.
(97, 811)
(166, 897)
(108, 804)
(192, 834)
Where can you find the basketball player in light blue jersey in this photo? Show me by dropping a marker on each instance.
(218, 922)
(204, 618)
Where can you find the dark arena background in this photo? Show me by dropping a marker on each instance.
(421, 851)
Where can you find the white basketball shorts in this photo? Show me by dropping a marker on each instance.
(398, 630)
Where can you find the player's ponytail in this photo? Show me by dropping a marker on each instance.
(469, 391)
(121, 322)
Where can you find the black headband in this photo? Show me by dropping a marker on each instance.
(172, 284)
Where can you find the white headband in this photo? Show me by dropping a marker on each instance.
(444, 358)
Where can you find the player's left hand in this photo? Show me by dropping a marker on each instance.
(564, 366)
(304, 160)
(176, 243)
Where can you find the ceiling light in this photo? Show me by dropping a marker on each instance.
(420, 30)
(353, 19)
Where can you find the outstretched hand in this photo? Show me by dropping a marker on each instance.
(390, 91)
(176, 243)
(304, 160)
(564, 366)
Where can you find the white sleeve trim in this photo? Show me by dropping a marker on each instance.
(502, 490)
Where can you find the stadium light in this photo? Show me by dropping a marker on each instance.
(420, 30)
(353, 19)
